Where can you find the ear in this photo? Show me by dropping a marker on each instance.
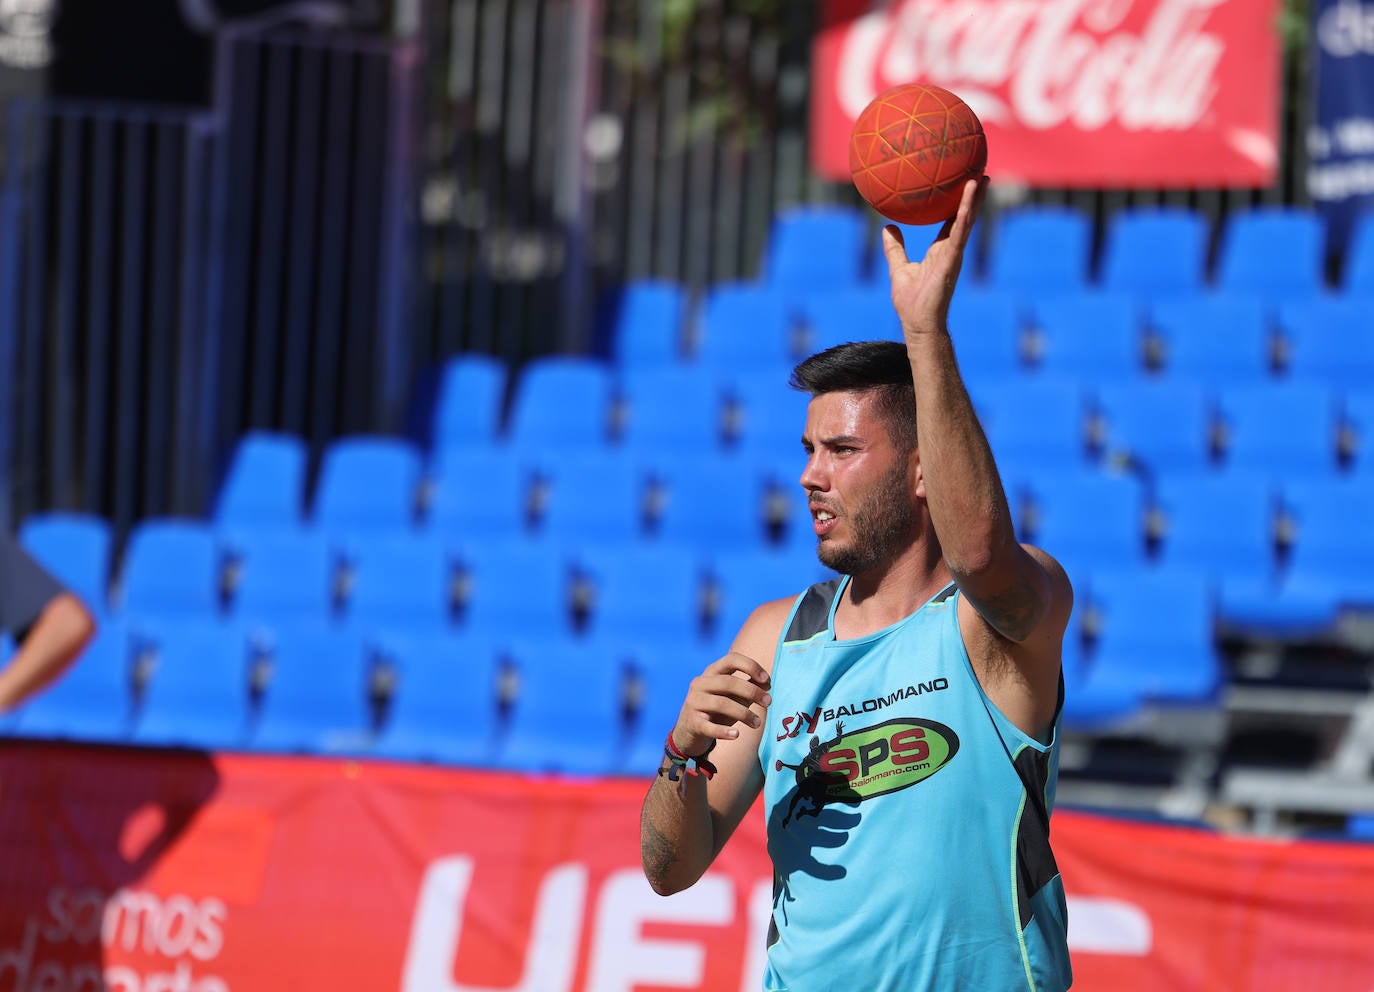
(917, 476)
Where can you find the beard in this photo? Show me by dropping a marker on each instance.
(881, 527)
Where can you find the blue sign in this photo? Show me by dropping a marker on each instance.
(1340, 142)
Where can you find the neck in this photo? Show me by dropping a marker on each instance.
(880, 596)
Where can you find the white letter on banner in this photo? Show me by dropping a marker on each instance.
(551, 958)
(623, 959)
(1108, 926)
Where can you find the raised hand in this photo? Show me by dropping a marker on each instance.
(921, 291)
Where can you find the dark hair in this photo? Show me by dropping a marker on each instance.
(861, 366)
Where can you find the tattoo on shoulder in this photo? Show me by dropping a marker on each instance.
(658, 851)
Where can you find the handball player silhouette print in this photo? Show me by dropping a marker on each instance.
(900, 720)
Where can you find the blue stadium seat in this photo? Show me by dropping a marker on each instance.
(316, 699)
(515, 585)
(283, 576)
(197, 692)
(720, 498)
(1357, 411)
(852, 313)
(1328, 565)
(672, 408)
(599, 493)
(1357, 278)
(1288, 427)
(1272, 253)
(1040, 249)
(1156, 634)
(746, 325)
(766, 415)
(172, 568)
(1091, 705)
(400, 582)
(644, 591)
(487, 483)
(1333, 540)
(546, 731)
(1155, 252)
(1094, 336)
(367, 484)
(469, 400)
(265, 482)
(560, 401)
(989, 333)
(93, 700)
(1330, 339)
(646, 324)
(1218, 338)
(444, 703)
(815, 245)
(76, 549)
(1039, 421)
(1223, 523)
(1157, 426)
(1090, 519)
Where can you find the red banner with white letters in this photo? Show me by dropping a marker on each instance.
(1080, 93)
(137, 871)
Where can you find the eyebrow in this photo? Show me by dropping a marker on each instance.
(830, 442)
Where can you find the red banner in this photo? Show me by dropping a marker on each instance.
(155, 872)
(1119, 93)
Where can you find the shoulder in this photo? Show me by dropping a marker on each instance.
(759, 635)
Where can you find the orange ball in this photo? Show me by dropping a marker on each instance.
(911, 151)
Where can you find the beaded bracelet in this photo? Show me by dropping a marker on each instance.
(694, 764)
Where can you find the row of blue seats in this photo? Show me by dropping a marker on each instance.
(734, 326)
(501, 699)
(189, 569)
(439, 696)
(663, 415)
(1275, 251)
(1234, 520)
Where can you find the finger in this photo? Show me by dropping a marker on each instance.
(743, 665)
(731, 687)
(962, 225)
(894, 248)
(717, 717)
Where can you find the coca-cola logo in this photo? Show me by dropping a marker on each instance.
(1141, 65)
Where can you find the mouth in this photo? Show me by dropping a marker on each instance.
(823, 521)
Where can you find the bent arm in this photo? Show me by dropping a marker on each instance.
(55, 640)
(684, 825)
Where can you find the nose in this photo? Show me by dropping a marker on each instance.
(813, 478)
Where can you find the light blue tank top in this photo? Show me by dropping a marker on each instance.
(908, 819)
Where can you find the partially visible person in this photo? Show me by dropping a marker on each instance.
(49, 624)
(901, 721)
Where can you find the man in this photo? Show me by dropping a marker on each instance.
(50, 625)
(900, 720)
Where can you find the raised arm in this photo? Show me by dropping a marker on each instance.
(1007, 586)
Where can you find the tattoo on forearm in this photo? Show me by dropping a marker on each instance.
(657, 851)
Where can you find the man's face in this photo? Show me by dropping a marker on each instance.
(862, 491)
